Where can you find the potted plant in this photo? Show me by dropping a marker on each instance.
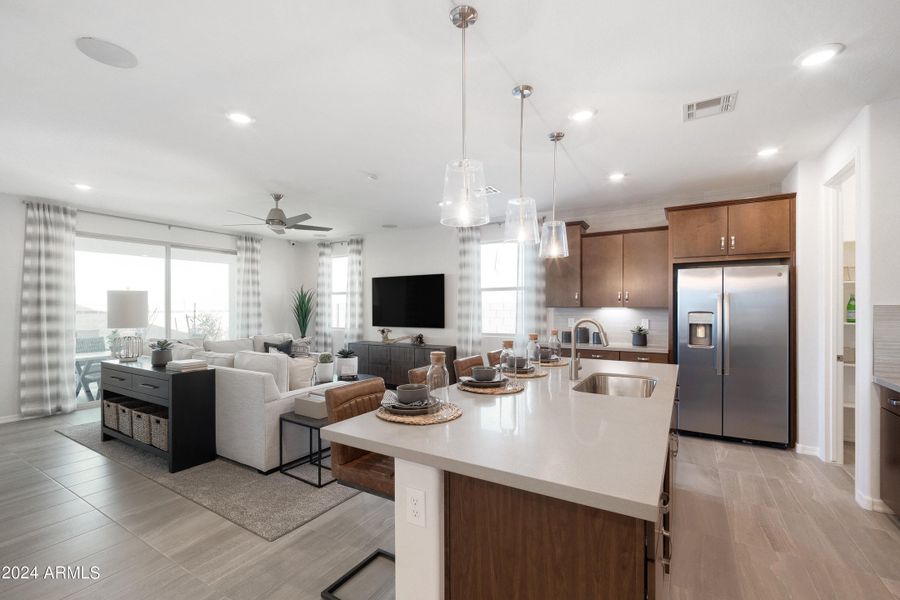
(303, 304)
(638, 336)
(325, 368)
(161, 353)
(346, 363)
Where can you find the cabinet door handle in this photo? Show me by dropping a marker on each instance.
(732, 242)
(576, 295)
(619, 297)
(626, 295)
(722, 243)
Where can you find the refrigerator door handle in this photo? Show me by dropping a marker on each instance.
(718, 334)
(727, 332)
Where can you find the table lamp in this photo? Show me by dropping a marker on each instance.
(126, 309)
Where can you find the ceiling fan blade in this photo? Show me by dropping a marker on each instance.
(244, 225)
(310, 228)
(246, 215)
(298, 219)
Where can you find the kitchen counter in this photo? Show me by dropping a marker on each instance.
(891, 383)
(613, 347)
(606, 452)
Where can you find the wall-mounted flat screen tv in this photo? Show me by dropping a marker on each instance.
(410, 301)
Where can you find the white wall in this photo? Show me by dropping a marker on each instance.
(12, 243)
(284, 267)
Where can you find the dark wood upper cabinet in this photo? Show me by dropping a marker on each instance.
(645, 269)
(737, 228)
(759, 227)
(563, 275)
(601, 270)
(699, 231)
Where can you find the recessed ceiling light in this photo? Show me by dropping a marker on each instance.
(582, 114)
(106, 53)
(616, 177)
(82, 186)
(766, 152)
(819, 55)
(240, 118)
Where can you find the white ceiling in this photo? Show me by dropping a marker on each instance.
(340, 89)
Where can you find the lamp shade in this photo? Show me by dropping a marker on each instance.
(126, 309)
(521, 221)
(464, 203)
(554, 241)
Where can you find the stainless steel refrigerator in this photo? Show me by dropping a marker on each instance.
(734, 351)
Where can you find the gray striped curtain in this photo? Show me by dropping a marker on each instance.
(249, 302)
(354, 328)
(47, 319)
(323, 299)
(468, 300)
(530, 304)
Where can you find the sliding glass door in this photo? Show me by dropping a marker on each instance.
(202, 294)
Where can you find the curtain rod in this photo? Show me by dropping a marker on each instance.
(136, 219)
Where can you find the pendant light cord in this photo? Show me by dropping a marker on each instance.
(521, 143)
(555, 146)
(463, 92)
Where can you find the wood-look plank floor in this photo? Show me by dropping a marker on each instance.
(749, 523)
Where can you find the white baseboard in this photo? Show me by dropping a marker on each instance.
(13, 419)
(811, 450)
(876, 504)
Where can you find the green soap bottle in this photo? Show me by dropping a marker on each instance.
(851, 309)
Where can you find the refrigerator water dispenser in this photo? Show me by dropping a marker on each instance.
(700, 325)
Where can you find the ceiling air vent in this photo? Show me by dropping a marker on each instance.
(490, 190)
(710, 107)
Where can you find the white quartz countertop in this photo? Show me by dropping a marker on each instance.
(891, 383)
(608, 452)
(613, 347)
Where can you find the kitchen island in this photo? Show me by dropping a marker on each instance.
(543, 494)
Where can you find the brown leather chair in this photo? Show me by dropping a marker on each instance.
(417, 375)
(363, 470)
(494, 357)
(463, 366)
(366, 471)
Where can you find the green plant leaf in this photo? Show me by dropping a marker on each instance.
(303, 303)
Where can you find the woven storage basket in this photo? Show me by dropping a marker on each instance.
(140, 422)
(111, 412)
(159, 429)
(125, 410)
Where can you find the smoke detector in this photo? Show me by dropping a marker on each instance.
(710, 107)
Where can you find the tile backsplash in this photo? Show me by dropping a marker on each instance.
(618, 322)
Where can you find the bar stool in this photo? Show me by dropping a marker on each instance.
(360, 469)
(463, 366)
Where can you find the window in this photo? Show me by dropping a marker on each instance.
(499, 286)
(202, 293)
(339, 291)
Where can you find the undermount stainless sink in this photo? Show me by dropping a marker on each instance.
(617, 385)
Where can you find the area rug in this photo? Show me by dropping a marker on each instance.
(267, 505)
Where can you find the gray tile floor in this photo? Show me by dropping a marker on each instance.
(749, 523)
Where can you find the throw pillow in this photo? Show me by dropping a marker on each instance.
(285, 347)
(300, 372)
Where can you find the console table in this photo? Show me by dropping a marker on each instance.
(190, 398)
(392, 362)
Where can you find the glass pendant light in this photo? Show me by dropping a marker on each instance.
(554, 243)
(464, 203)
(521, 214)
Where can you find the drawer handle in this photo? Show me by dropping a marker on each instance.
(147, 385)
(894, 402)
(642, 359)
(117, 378)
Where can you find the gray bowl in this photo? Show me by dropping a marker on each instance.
(484, 373)
(517, 362)
(546, 354)
(411, 392)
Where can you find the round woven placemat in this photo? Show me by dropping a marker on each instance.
(447, 413)
(494, 391)
(533, 375)
(555, 363)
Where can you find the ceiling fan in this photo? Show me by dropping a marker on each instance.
(278, 222)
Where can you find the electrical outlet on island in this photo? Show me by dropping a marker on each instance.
(415, 507)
